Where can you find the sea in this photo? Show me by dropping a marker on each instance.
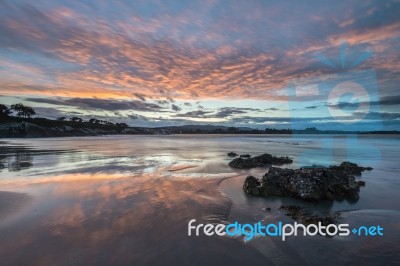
(127, 200)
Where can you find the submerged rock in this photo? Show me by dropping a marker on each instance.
(293, 211)
(245, 155)
(232, 154)
(325, 220)
(261, 160)
(313, 184)
(307, 217)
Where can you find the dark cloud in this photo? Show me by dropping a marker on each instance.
(137, 117)
(111, 105)
(384, 101)
(45, 100)
(223, 112)
(296, 121)
(162, 102)
(389, 100)
(383, 116)
(195, 114)
(101, 104)
(140, 96)
(229, 111)
(175, 107)
(49, 112)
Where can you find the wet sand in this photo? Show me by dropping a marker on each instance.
(119, 200)
(141, 220)
(11, 203)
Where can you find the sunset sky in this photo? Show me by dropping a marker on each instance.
(156, 63)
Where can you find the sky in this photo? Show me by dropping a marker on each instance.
(258, 64)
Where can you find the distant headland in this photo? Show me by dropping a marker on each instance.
(18, 122)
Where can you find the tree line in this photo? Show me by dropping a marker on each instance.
(92, 121)
(24, 111)
(20, 110)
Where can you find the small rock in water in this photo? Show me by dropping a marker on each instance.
(307, 217)
(261, 160)
(232, 154)
(251, 186)
(361, 183)
(245, 155)
(316, 219)
(293, 211)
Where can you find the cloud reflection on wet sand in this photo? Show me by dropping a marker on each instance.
(116, 220)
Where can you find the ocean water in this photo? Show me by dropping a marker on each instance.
(128, 200)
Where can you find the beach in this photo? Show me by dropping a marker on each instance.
(128, 200)
(11, 203)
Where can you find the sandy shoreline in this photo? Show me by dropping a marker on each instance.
(121, 200)
(11, 203)
(120, 221)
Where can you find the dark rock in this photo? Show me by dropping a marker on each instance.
(252, 186)
(361, 183)
(313, 166)
(245, 155)
(307, 217)
(261, 160)
(316, 219)
(272, 181)
(313, 184)
(293, 211)
(241, 163)
(268, 209)
(232, 154)
(350, 168)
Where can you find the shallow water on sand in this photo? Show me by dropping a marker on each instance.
(128, 199)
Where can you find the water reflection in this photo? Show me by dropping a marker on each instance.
(111, 218)
(2, 159)
(119, 200)
(15, 158)
(22, 160)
